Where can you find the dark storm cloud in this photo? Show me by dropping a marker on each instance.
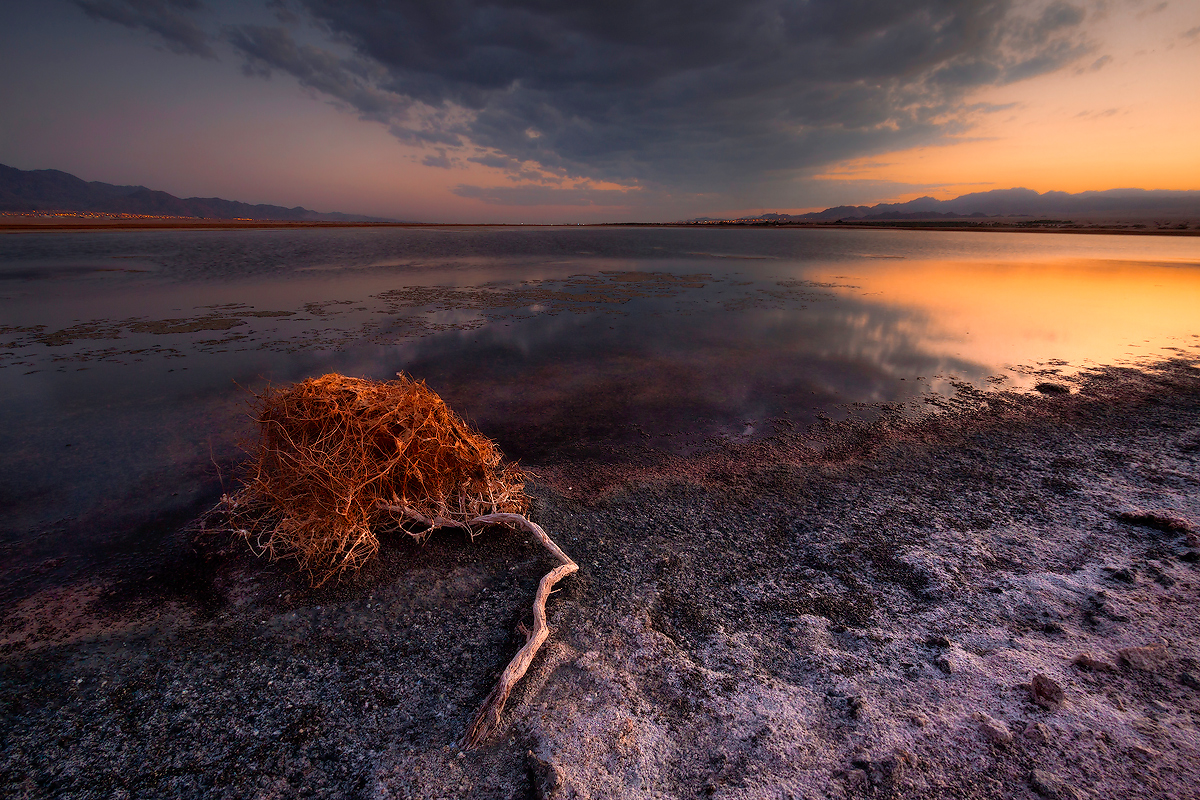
(356, 82)
(706, 93)
(673, 96)
(167, 18)
(353, 81)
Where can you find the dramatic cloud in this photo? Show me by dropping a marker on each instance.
(665, 95)
(351, 80)
(166, 18)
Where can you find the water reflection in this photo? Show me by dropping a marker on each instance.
(555, 386)
(125, 357)
(1098, 311)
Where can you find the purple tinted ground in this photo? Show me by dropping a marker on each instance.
(861, 610)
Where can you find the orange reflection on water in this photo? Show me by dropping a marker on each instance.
(1078, 310)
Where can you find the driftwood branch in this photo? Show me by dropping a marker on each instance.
(487, 720)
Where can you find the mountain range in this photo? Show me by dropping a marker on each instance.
(1110, 204)
(54, 190)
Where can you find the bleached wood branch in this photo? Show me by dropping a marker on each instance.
(487, 720)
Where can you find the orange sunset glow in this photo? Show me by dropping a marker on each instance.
(1125, 116)
(1078, 310)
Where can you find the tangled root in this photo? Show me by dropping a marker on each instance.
(338, 457)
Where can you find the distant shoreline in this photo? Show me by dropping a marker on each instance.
(12, 223)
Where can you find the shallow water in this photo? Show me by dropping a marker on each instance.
(126, 357)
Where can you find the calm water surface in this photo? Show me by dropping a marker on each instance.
(126, 357)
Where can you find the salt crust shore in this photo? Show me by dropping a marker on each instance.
(999, 602)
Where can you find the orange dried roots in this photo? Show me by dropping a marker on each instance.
(338, 458)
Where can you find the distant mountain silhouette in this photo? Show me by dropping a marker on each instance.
(53, 190)
(1133, 203)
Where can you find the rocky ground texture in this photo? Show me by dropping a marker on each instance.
(997, 601)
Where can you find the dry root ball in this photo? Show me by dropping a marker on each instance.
(340, 458)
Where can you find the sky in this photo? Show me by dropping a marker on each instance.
(594, 111)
